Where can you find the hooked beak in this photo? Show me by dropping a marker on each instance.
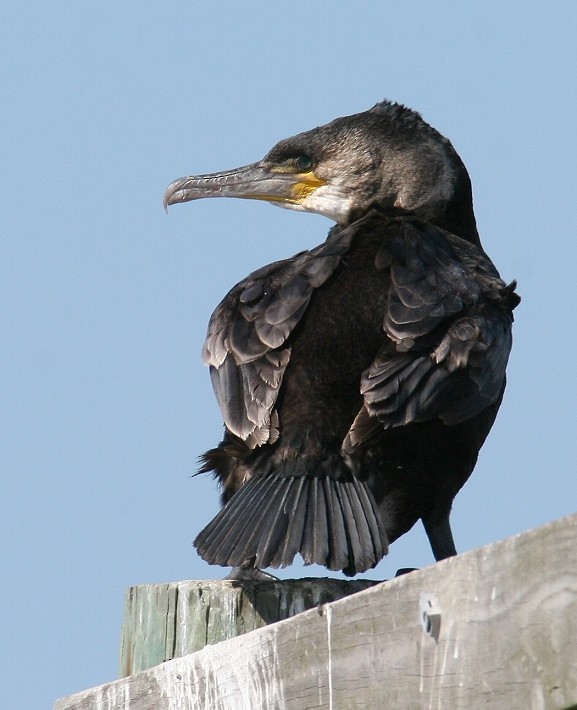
(251, 182)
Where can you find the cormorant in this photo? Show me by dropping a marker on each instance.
(358, 380)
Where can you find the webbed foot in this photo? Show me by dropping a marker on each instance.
(405, 570)
(250, 573)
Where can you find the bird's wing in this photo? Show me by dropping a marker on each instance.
(448, 327)
(248, 341)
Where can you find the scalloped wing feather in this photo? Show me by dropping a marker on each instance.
(248, 340)
(449, 324)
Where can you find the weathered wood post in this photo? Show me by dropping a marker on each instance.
(165, 621)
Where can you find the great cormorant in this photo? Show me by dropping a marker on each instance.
(358, 380)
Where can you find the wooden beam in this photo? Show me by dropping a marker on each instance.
(494, 628)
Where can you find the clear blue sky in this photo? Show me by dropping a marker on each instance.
(105, 298)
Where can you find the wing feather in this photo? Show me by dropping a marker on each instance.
(448, 326)
(248, 341)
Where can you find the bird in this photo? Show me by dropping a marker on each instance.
(358, 380)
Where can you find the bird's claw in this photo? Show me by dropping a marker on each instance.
(250, 574)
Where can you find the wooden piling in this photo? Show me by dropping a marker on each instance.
(165, 621)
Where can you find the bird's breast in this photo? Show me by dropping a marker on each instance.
(336, 340)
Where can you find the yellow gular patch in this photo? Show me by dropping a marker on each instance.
(308, 183)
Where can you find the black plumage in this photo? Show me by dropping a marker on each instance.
(358, 380)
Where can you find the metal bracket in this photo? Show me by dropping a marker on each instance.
(430, 615)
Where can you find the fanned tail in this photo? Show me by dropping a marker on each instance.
(271, 519)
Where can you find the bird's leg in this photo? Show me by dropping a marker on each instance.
(440, 536)
(250, 573)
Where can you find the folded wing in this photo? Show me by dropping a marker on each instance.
(248, 341)
(448, 327)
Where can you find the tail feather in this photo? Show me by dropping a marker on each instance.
(338, 548)
(225, 528)
(245, 535)
(273, 518)
(276, 523)
(368, 507)
(292, 542)
(353, 534)
(360, 533)
(315, 540)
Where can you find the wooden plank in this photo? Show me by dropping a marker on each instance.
(165, 621)
(507, 640)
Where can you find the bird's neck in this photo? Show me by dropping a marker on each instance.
(457, 220)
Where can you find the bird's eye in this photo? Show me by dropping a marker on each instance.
(294, 164)
(303, 163)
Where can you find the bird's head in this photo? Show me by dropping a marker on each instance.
(386, 156)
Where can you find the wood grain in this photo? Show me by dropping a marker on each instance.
(507, 640)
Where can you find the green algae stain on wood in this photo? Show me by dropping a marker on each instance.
(165, 621)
